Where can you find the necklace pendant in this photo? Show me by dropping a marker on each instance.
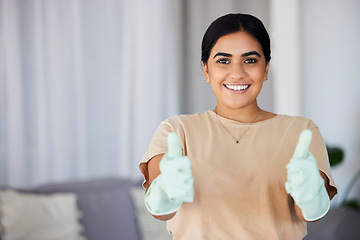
(237, 140)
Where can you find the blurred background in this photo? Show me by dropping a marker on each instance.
(85, 83)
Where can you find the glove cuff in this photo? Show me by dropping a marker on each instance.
(316, 208)
(157, 201)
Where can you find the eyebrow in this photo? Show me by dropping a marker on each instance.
(223, 54)
(243, 55)
(251, 53)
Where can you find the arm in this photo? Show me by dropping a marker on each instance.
(308, 186)
(154, 172)
(329, 190)
(171, 181)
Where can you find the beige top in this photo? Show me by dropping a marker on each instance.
(239, 188)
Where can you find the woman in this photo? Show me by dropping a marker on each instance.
(237, 172)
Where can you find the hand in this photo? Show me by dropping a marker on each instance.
(304, 182)
(176, 172)
(303, 177)
(174, 185)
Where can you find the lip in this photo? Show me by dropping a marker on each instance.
(237, 88)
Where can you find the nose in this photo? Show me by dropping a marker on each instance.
(237, 72)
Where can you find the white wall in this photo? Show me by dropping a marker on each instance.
(285, 62)
(331, 78)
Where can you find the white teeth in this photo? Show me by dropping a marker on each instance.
(237, 87)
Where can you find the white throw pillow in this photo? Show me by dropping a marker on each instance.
(27, 216)
(150, 228)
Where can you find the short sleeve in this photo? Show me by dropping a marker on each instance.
(318, 149)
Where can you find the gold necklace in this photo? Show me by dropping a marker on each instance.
(237, 139)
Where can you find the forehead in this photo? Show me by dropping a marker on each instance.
(237, 43)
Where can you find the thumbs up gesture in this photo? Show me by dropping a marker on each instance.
(304, 182)
(174, 185)
(176, 169)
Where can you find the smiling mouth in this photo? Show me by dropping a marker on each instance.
(237, 87)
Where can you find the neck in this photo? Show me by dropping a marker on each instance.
(245, 115)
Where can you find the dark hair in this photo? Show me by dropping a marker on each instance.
(232, 23)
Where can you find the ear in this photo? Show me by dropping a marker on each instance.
(206, 72)
(266, 74)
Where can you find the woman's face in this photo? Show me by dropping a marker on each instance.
(236, 69)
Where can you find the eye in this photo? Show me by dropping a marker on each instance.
(250, 60)
(223, 61)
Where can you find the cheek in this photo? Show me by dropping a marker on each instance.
(217, 74)
(257, 74)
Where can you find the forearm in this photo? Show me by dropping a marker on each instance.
(165, 217)
(328, 189)
(154, 172)
(171, 181)
(153, 168)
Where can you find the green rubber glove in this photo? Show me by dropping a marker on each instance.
(304, 182)
(174, 185)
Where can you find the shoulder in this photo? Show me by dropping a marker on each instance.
(294, 121)
(187, 119)
(186, 124)
(289, 127)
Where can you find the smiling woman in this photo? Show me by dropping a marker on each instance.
(235, 56)
(236, 69)
(237, 171)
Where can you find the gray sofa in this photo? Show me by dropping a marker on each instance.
(113, 209)
(338, 224)
(108, 211)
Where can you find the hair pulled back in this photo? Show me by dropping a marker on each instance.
(231, 23)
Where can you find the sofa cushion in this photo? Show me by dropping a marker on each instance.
(150, 228)
(107, 209)
(339, 223)
(39, 217)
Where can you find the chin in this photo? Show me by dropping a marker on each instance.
(233, 104)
